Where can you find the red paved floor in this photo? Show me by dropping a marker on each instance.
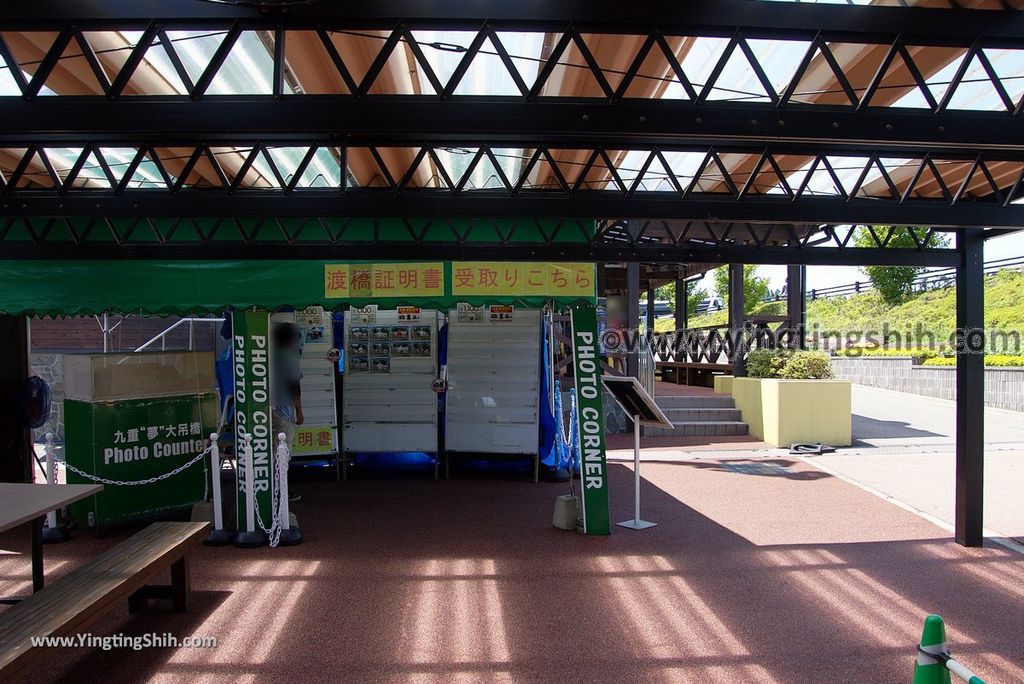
(624, 442)
(747, 578)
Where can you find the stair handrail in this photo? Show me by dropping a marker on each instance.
(191, 320)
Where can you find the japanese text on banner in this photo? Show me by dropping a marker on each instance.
(353, 281)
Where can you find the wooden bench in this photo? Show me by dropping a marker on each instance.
(76, 600)
(689, 372)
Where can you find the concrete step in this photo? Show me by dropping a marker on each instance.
(703, 415)
(700, 428)
(706, 402)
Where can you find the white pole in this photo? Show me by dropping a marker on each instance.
(218, 513)
(51, 477)
(636, 523)
(106, 333)
(250, 485)
(636, 469)
(283, 456)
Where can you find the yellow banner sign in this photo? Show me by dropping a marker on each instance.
(313, 439)
(551, 279)
(344, 281)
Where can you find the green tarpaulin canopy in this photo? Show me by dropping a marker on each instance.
(164, 287)
(63, 286)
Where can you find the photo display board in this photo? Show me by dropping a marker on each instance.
(390, 364)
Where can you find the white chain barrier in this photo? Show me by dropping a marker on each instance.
(280, 515)
(283, 459)
(51, 476)
(132, 483)
(279, 501)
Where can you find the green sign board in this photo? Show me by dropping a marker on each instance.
(590, 419)
(251, 346)
(136, 440)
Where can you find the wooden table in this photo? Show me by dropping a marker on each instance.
(22, 503)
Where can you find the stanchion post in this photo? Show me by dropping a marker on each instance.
(52, 533)
(218, 536)
(290, 532)
(282, 476)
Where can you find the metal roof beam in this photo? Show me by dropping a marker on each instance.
(937, 258)
(413, 120)
(440, 203)
(707, 17)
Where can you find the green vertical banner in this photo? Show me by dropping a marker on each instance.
(250, 340)
(590, 419)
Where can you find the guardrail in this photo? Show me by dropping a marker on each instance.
(931, 280)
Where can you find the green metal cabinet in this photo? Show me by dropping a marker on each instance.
(132, 417)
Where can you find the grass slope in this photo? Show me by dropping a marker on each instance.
(933, 311)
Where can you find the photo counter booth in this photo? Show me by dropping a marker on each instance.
(428, 357)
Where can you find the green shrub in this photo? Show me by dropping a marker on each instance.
(766, 363)
(788, 364)
(877, 352)
(1004, 361)
(991, 360)
(807, 365)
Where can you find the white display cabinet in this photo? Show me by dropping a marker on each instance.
(493, 400)
(390, 365)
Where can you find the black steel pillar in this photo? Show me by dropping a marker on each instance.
(632, 315)
(681, 298)
(18, 464)
(970, 388)
(736, 320)
(650, 306)
(796, 304)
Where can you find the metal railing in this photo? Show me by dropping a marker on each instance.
(714, 344)
(930, 280)
(646, 366)
(191, 321)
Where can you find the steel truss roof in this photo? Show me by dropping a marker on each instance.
(839, 153)
(919, 190)
(275, 237)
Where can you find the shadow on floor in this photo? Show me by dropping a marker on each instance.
(410, 580)
(872, 428)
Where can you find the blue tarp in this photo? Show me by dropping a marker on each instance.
(549, 453)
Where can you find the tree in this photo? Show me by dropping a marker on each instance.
(694, 296)
(894, 283)
(755, 287)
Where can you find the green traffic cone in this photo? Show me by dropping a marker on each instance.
(933, 639)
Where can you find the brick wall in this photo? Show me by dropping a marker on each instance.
(1004, 387)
